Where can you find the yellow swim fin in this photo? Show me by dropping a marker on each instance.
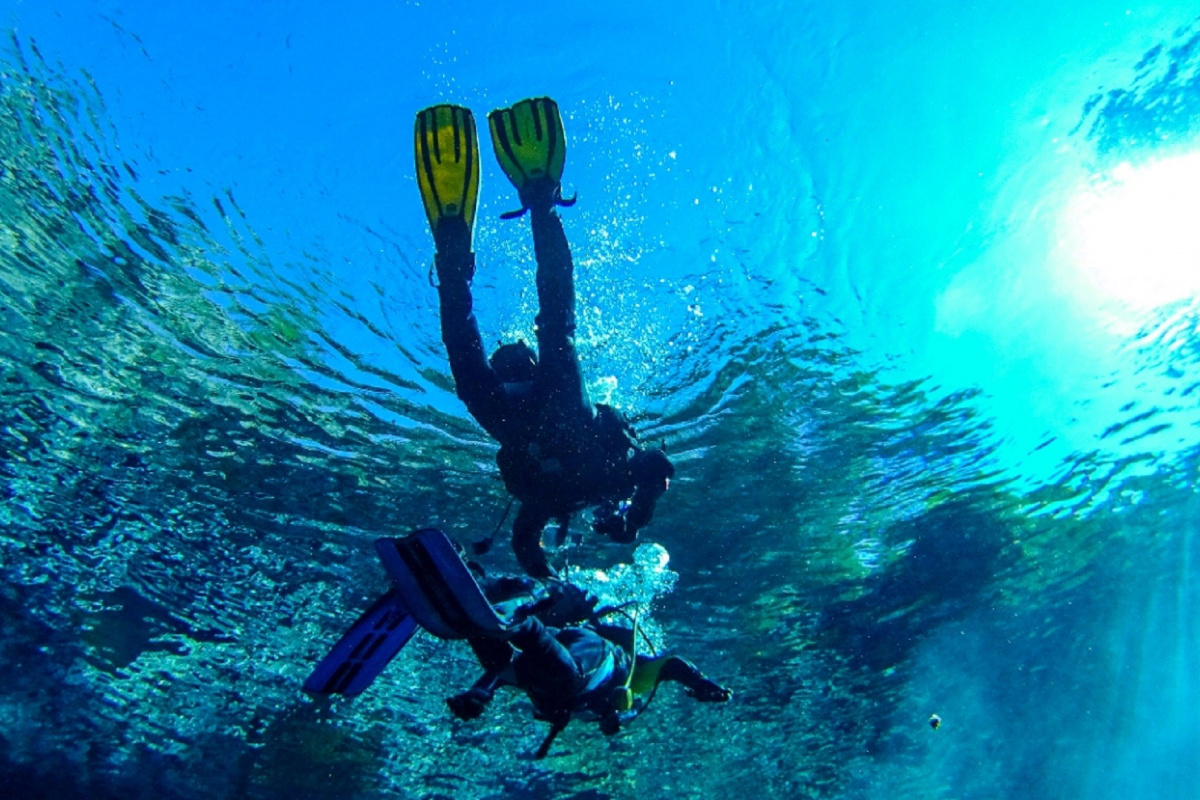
(531, 147)
(447, 150)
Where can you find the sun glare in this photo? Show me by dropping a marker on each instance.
(1133, 234)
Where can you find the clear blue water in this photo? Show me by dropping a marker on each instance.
(910, 291)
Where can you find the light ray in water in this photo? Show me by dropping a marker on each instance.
(1133, 232)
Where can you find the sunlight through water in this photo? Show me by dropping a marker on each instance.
(1134, 232)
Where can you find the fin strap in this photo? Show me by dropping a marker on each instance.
(559, 200)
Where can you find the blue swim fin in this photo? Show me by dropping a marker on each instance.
(438, 588)
(362, 653)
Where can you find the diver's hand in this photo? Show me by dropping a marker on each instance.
(614, 524)
(708, 691)
(610, 723)
(470, 704)
(626, 534)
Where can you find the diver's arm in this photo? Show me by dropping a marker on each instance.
(641, 506)
(527, 541)
(652, 473)
(471, 703)
(474, 379)
(621, 523)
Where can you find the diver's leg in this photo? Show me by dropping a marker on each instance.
(447, 157)
(474, 380)
(546, 670)
(527, 541)
(493, 654)
(530, 145)
(680, 670)
(543, 663)
(559, 372)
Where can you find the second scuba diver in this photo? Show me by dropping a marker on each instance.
(559, 452)
(586, 669)
(547, 639)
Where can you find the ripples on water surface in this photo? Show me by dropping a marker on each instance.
(198, 441)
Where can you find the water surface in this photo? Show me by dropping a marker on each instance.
(909, 293)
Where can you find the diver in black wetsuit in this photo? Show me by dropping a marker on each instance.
(559, 452)
(584, 669)
(547, 638)
(571, 662)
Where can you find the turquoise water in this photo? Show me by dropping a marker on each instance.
(910, 292)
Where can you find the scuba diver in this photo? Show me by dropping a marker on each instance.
(547, 639)
(559, 452)
(587, 669)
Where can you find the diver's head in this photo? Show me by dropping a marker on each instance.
(514, 363)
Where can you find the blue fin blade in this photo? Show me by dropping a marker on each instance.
(362, 653)
(437, 587)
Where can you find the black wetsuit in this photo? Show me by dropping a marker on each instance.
(577, 668)
(559, 452)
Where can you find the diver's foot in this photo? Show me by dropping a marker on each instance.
(531, 147)
(541, 195)
(447, 155)
(708, 691)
